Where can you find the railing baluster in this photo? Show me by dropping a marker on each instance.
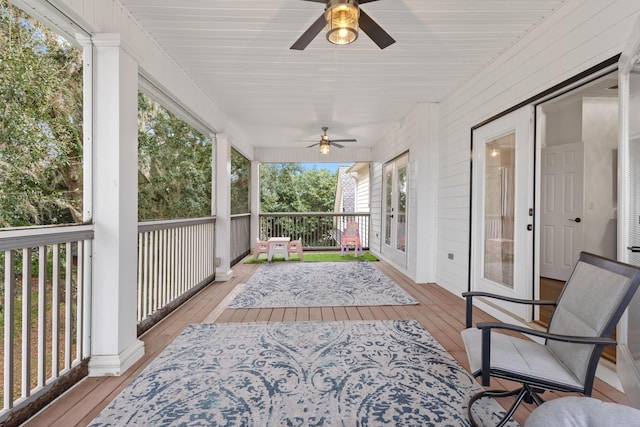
(145, 283)
(140, 285)
(55, 312)
(154, 271)
(67, 305)
(42, 318)
(9, 320)
(25, 383)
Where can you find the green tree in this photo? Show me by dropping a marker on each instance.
(174, 165)
(40, 123)
(240, 180)
(41, 93)
(288, 187)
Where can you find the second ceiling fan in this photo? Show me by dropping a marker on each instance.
(342, 19)
(325, 143)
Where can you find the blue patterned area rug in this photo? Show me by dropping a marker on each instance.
(354, 373)
(319, 284)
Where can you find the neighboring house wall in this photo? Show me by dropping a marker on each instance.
(579, 35)
(346, 191)
(362, 193)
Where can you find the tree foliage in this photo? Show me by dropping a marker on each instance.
(288, 187)
(40, 123)
(240, 183)
(174, 165)
(41, 106)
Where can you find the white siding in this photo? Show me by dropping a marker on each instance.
(396, 142)
(580, 35)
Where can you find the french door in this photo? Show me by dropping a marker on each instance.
(395, 183)
(629, 221)
(502, 208)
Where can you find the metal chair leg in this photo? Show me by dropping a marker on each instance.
(525, 393)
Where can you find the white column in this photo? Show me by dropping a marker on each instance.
(223, 208)
(425, 157)
(114, 345)
(255, 202)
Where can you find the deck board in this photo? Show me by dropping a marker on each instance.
(439, 311)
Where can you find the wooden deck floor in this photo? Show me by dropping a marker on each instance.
(439, 311)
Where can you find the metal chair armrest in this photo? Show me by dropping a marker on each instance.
(547, 335)
(469, 297)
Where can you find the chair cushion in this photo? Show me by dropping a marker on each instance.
(517, 356)
(582, 412)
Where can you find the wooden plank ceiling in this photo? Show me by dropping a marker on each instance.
(238, 52)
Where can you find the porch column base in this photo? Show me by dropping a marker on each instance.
(116, 365)
(224, 275)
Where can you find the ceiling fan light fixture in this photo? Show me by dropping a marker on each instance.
(325, 146)
(342, 21)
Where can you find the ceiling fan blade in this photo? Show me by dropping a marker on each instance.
(360, 2)
(311, 33)
(336, 145)
(374, 31)
(344, 140)
(313, 145)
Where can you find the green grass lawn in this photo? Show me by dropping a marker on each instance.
(315, 257)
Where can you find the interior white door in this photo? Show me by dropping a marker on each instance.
(561, 226)
(395, 182)
(502, 209)
(628, 354)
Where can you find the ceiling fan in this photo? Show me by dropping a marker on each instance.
(325, 143)
(342, 18)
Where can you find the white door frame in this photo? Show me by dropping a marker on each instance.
(391, 250)
(628, 368)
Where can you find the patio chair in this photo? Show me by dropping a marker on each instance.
(262, 247)
(295, 247)
(351, 237)
(582, 323)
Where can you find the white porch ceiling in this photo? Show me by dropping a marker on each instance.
(238, 52)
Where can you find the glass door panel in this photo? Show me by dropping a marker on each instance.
(388, 195)
(402, 209)
(499, 202)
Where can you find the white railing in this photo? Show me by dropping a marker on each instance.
(175, 258)
(316, 230)
(45, 301)
(240, 237)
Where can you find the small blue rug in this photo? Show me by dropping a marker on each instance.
(355, 373)
(319, 284)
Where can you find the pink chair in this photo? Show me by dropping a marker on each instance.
(351, 237)
(295, 246)
(262, 247)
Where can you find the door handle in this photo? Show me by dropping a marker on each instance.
(576, 220)
(634, 248)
